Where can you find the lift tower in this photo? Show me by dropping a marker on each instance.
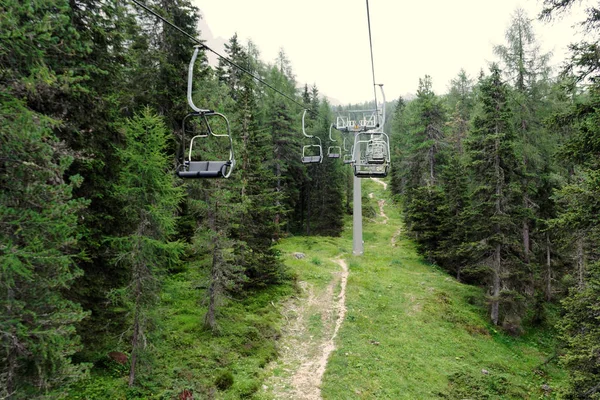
(360, 123)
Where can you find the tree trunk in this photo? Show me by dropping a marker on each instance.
(548, 270)
(526, 245)
(432, 165)
(214, 288)
(496, 286)
(135, 340)
(497, 259)
(11, 358)
(278, 190)
(308, 202)
(210, 320)
(580, 262)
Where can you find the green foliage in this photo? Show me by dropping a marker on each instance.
(38, 236)
(150, 199)
(580, 331)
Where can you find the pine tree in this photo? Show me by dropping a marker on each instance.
(38, 243)
(398, 137)
(150, 199)
(460, 104)
(229, 74)
(494, 164)
(258, 227)
(284, 126)
(421, 191)
(528, 70)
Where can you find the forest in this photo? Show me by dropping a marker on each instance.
(497, 180)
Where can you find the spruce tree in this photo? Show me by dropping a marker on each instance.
(493, 160)
(38, 250)
(150, 199)
(422, 193)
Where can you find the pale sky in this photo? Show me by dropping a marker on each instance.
(327, 41)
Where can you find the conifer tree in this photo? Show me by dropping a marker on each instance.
(578, 207)
(229, 74)
(422, 194)
(150, 199)
(284, 126)
(494, 164)
(38, 243)
(460, 104)
(398, 136)
(528, 70)
(258, 227)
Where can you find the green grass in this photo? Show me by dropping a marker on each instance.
(183, 355)
(413, 332)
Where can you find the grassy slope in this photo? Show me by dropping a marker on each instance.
(413, 332)
(410, 332)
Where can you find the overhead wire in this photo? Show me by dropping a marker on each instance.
(372, 62)
(222, 57)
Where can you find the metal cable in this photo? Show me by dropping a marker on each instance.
(193, 38)
(372, 62)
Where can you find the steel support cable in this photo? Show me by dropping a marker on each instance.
(372, 62)
(222, 57)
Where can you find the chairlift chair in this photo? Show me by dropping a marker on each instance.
(348, 154)
(348, 158)
(376, 151)
(311, 153)
(371, 171)
(197, 125)
(333, 151)
(374, 157)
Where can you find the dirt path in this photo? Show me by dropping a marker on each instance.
(381, 213)
(381, 202)
(380, 182)
(308, 339)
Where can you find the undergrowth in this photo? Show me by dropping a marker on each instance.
(183, 356)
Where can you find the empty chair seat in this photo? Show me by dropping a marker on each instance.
(205, 169)
(370, 172)
(377, 159)
(311, 159)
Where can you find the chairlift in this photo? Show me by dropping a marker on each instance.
(373, 149)
(376, 151)
(371, 171)
(333, 151)
(199, 125)
(348, 153)
(349, 157)
(311, 153)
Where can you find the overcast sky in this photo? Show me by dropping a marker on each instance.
(327, 41)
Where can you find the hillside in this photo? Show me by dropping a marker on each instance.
(410, 331)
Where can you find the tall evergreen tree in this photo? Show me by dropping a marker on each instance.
(422, 194)
(38, 239)
(397, 137)
(528, 69)
(150, 199)
(495, 166)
